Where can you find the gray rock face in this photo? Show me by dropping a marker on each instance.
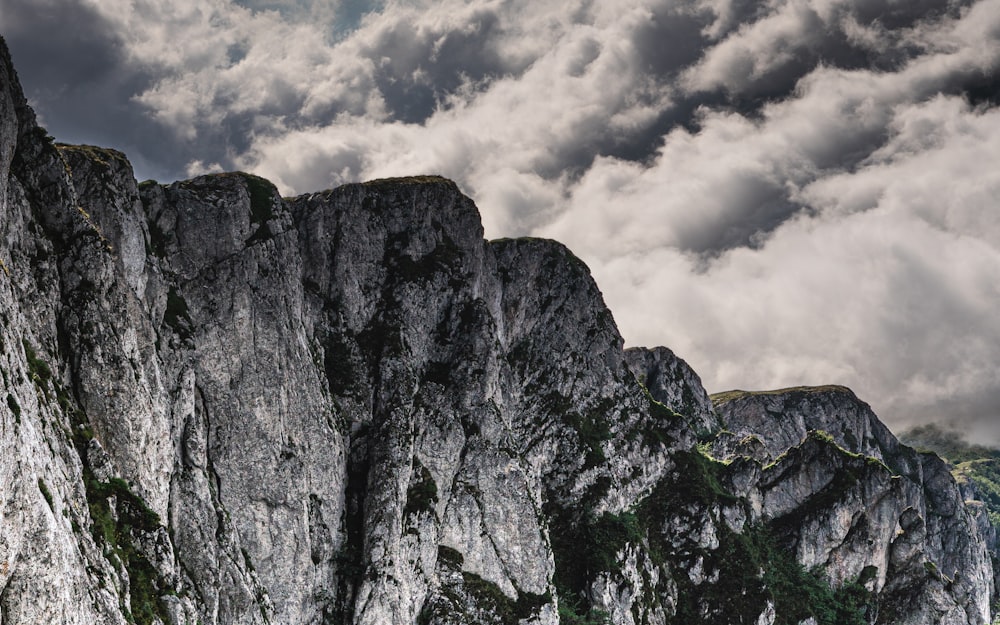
(781, 419)
(673, 383)
(850, 499)
(223, 406)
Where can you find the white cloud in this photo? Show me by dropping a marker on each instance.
(785, 192)
(889, 288)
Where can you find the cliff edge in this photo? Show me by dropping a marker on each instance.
(222, 406)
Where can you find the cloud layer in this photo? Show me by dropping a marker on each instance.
(787, 192)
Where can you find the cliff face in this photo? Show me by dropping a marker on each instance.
(223, 406)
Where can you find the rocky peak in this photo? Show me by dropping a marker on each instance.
(782, 418)
(223, 406)
(672, 382)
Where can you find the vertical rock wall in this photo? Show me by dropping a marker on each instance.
(222, 406)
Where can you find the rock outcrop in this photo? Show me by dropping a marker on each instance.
(673, 383)
(223, 406)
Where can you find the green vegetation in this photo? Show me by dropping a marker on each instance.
(655, 436)
(118, 516)
(701, 480)
(726, 396)
(450, 557)
(38, 369)
(851, 469)
(98, 155)
(584, 545)
(948, 444)
(384, 183)
(592, 429)
(43, 135)
(799, 593)
(755, 567)
(46, 494)
(570, 613)
(985, 476)
(488, 596)
(488, 603)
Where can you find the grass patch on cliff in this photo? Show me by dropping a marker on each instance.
(38, 370)
(852, 468)
(985, 477)
(592, 430)
(382, 184)
(46, 494)
(118, 517)
(799, 594)
(727, 396)
(488, 596)
(747, 569)
(585, 545)
(656, 435)
(699, 480)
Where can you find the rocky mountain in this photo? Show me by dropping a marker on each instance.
(222, 406)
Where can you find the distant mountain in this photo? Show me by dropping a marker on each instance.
(976, 469)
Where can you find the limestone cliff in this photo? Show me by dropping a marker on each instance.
(223, 406)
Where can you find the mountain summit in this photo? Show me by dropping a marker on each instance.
(222, 406)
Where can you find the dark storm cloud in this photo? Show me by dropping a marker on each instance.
(81, 83)
(87, 51)
(789, 192)
(418, 66)
(671, 38)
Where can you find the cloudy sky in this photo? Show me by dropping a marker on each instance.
(784, 192)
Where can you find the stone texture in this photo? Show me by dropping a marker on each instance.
(222, 406)
(673, 383)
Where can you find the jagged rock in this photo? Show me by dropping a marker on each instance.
(673, 383)
(841, 491)
(781, 419)
(222, 406)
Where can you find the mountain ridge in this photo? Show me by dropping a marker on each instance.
(224, 406)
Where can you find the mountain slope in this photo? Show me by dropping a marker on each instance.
(224, 406)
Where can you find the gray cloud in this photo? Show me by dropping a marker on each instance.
(790, 192)
(79, 81)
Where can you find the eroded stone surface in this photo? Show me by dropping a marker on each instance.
(221, 406)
